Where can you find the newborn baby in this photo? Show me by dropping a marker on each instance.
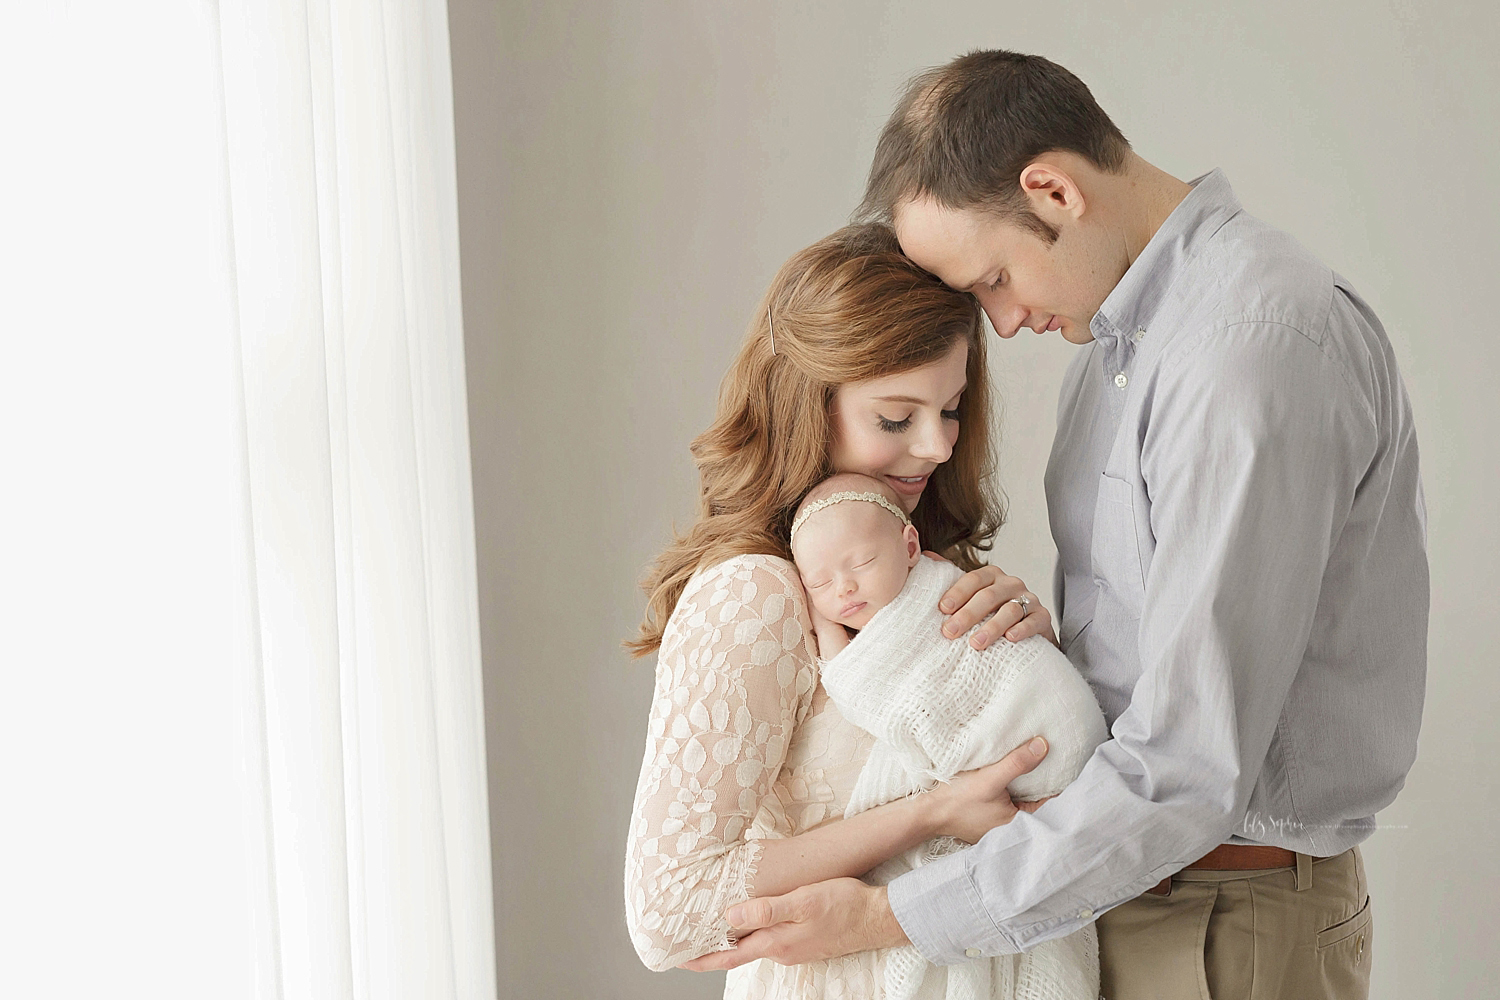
(936, 706)
(854, 546)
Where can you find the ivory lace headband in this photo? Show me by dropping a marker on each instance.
(829, 501)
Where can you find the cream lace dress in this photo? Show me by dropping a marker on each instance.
(742, 745)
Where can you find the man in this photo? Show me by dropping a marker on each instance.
(1242, 573)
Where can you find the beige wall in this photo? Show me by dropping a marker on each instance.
(630, 175)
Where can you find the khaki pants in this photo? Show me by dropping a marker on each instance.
(1300, 933)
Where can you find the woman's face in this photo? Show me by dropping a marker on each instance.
(900, 427)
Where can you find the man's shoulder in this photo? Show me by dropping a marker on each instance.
(1250, 272)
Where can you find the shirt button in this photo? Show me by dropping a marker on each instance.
(1085, 914)
(1121, 380)
(972, 953)
(1140, 335)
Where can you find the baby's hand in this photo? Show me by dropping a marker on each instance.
(832, 637)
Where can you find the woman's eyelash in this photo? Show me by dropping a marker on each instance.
(897, 426)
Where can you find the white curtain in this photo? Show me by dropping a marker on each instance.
(359, 534)
(229, 300)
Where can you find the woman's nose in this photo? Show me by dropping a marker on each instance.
(931, 444)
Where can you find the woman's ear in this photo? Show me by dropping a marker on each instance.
(913, 544)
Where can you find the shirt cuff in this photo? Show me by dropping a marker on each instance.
(939, 908)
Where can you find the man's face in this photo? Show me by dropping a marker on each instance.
(1018, 278)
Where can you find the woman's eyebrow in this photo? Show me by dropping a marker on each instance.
(911, 399)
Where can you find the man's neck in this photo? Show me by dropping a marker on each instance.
(1147, 195)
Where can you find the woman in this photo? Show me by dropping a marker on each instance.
(858, 362)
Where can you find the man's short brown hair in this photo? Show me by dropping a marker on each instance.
(962, 133)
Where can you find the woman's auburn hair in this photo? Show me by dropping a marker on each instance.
(847, 309)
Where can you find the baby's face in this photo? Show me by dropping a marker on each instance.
(854, 557)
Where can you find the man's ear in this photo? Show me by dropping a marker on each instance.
(913, 544)
(1051, 191)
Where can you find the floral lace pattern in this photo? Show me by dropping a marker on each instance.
(742, 745)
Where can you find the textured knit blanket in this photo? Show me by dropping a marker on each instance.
(937, 707)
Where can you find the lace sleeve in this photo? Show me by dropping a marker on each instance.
(734, 678)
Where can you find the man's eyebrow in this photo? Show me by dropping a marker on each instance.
(966, 286)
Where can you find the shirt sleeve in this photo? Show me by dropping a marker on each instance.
(1253, 450)
(734, 678)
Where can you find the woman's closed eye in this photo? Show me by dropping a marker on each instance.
(897, 426)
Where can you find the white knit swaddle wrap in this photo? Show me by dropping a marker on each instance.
(937, 707)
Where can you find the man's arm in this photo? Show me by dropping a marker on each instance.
(1255, 447)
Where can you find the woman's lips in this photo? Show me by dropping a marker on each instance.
(1054, 324)
(909, 485)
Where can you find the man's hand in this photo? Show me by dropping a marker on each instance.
(819, 921)
(989, 591)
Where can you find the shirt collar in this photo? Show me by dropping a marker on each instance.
(1135, 300)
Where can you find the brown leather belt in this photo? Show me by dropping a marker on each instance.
(1235, 858)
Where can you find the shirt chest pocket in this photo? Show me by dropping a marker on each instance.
(1118, 564)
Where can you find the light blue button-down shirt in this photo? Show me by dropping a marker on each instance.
(1242, 578)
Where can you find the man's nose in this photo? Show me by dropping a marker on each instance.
(1005, 319)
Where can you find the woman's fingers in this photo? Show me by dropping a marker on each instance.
(987, 592)
(1022, 759)
(964, 589)
(974, 596)
(1033, 806)
(1037, 622)
(1007, 616)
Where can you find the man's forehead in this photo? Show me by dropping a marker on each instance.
(943, 240)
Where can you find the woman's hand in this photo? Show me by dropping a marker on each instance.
(977, 801)
(987, 590)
